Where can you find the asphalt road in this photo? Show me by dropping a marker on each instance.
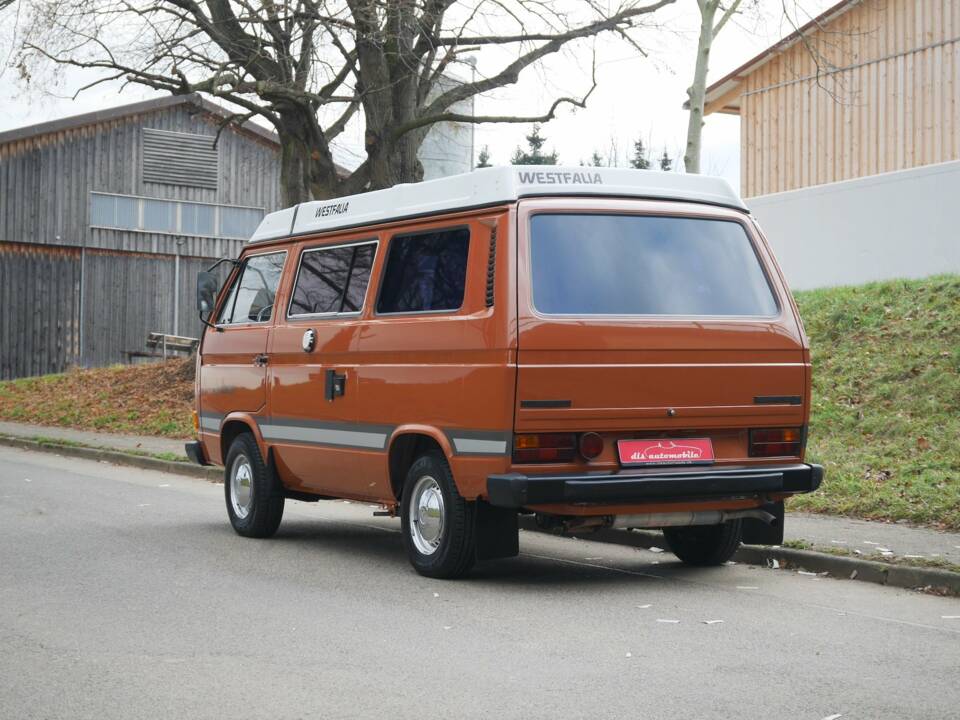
(125, 594)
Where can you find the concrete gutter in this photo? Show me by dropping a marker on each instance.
(934, 580)
(837, 566)
(213, 474)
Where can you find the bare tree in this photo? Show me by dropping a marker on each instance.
(310, 66)
(710, 27)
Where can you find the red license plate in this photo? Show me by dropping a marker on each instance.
(661, 451)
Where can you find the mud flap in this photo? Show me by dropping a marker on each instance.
(497, 532)
(757, 532)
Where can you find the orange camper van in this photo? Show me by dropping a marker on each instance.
(596, 347)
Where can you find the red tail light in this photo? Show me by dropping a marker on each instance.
(544, 448)
(591, 445)
(775, 442)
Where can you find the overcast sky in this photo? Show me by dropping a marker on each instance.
(636, 96)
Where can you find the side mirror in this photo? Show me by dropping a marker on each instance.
(207, 286)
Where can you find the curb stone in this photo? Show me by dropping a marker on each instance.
(212, 474)
(837, 566)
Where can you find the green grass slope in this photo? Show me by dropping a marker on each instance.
(885, 420)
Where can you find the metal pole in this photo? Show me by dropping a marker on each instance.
(83, 258)
(176, 290)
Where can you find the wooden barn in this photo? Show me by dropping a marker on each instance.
(850, 141)
(868, 87)
(105, 218)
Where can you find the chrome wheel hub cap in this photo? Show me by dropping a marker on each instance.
(426, 523)
(241, 486)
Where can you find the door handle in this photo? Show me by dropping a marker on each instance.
(335, 385)
(260, 360)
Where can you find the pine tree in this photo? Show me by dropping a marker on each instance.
(535, 154)
(483, 159)
(641, 156)
(666, 162)
(596, 160)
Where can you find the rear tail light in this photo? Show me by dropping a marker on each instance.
(591, 445)
(544, 448)
(775, 442)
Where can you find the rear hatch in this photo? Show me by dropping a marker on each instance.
(653, 320)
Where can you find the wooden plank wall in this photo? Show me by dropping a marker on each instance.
(40, 317)
(46, 181)
(892, 105)
(125, 296)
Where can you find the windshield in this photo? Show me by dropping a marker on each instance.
(593, 264)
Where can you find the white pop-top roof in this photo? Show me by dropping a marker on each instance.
(491, 186)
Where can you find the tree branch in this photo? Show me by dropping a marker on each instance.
(511, 73)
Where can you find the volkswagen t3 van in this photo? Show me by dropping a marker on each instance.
(594, 347)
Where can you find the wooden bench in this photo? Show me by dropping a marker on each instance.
(172, 343)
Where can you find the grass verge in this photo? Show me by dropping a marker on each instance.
(885, 420)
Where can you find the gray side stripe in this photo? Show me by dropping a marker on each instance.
(480, 447)
(323, 436)
(209, 421)
(361, 435)
(479, 442)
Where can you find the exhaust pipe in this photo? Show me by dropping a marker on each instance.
(651, 520)
(680, 519)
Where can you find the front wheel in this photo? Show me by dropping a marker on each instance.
(705, 545)
(438, 524)
(253, 491)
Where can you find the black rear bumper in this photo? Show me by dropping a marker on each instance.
(515, 490)
(194, 450)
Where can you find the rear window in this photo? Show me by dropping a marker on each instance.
(645, 265)
(426, 272)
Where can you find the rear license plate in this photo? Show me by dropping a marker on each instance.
(661, 451)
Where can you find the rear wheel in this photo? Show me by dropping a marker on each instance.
(254, 494)
(705, 544)
(438, 525)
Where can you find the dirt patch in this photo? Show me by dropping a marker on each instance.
(153, 399)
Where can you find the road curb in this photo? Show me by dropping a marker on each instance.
(213, 474)
(837, 566)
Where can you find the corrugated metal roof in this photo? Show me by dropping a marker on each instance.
(121, 111)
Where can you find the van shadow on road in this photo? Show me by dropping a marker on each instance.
(383, 550)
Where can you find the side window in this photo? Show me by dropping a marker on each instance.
(252, 295)
(425, 272)
(359, 278)
(332, 280)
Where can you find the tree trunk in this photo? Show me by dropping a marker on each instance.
(697, 91)
(307, 170)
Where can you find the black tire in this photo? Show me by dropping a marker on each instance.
(264, 505)
(454, 551)
(705, 545)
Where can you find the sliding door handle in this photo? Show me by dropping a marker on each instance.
(335, 385)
